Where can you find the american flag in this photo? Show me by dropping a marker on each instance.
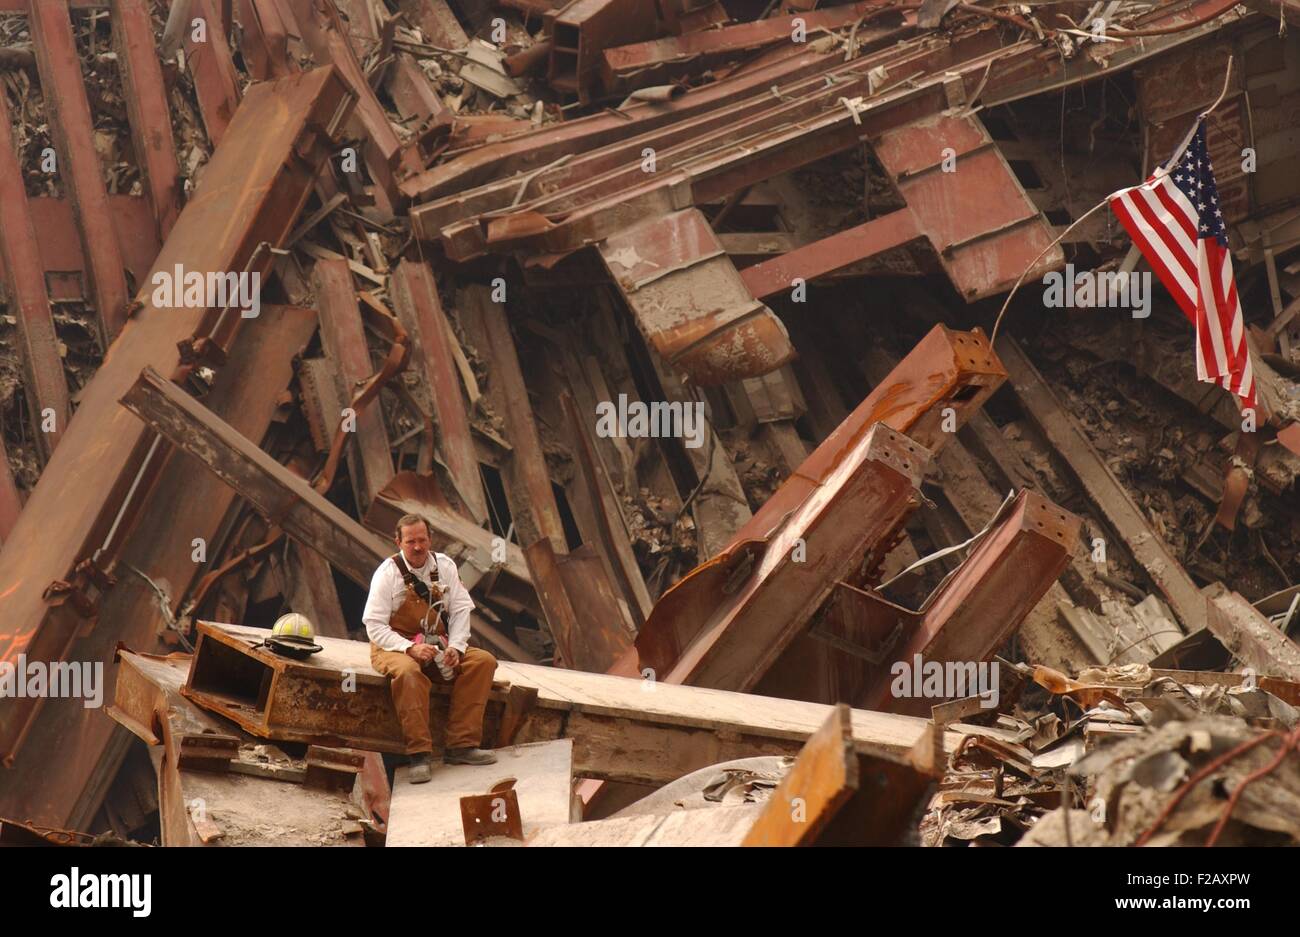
(1174, 218)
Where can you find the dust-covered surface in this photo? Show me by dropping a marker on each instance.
(252, 811)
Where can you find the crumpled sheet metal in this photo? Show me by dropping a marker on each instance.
(1148, 753)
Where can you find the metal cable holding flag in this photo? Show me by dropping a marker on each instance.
(1219, 322)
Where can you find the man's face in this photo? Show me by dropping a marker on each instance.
(414, 541)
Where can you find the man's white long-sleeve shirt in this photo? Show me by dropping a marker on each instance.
(388, 588)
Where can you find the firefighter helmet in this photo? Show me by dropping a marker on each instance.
(293, 636)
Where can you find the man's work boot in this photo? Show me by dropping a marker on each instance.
(421, 768)
(469, 756)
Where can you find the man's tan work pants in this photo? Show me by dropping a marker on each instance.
(411, 685)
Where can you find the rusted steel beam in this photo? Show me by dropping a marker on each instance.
(536, 150)
(275, 697)
(944, 379)
(202, 757)
(415, 297)
(264, 40)
(620, 730)
(74, 135)
(691, 303)
(251, 192)
(660, 61)
(344, 341)
(47, 385)
(580, 607)
(216, 82)
(582, 30)
(64, 261)
(146, 106)
(284, 498)
(187, 503)
(11, 503)
(414, 97)
(1121, 512)
(946, 369)
(527, 459)
(756, 598)
(326, 36)
(823, 778)
(972, 614)
(830, 254)
(967, 201)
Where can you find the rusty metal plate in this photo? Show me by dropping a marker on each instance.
(493, 814)
(975, 212)
(692, 304)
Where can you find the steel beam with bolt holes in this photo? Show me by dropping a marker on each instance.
(52, 568)
(764, 591)
(972, 613)
(47, 385)
(146, 107)
(932, 392)
(691, 303)
(64, 89)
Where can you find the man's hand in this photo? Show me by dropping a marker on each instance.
(421, 652)
(451, 657)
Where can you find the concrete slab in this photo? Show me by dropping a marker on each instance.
(429, 814)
